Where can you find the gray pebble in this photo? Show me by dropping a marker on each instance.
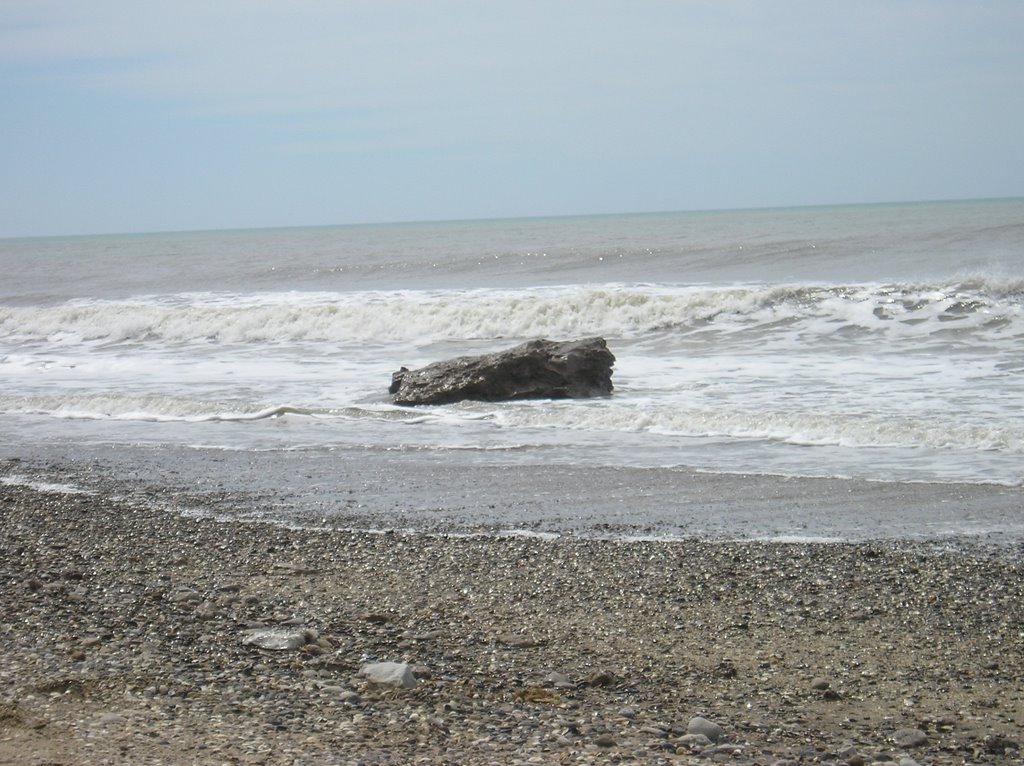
(700, 725)
(558, 680)
(275, 639)
(910, 738)
(695, 741)
(397, 674)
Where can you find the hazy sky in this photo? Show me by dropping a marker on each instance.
(194, 114)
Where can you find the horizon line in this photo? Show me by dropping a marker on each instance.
(490, 219)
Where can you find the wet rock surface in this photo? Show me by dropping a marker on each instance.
(537, 369)
(123, 631)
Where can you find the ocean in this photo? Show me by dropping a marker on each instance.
(838, 372)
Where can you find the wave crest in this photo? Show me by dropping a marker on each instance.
(617, 311)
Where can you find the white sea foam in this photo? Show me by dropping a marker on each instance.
(479, 425)
(992, 310)
(141, 408)
(43, 486)
(804, 428)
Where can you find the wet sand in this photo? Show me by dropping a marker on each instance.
(124, 626)
(448, 492)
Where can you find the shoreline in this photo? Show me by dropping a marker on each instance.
(123, 627)
(368, 489)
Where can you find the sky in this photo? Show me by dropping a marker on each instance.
(164, 115)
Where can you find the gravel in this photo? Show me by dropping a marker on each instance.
(134, 634)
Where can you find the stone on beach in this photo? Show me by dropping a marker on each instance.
(559, 680)
(517, 641)
(276, 639)
(695, 741)
(537, 369)
(700, 725)
(910, 738)
(397, 674)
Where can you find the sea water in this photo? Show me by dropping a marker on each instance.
(881, 343)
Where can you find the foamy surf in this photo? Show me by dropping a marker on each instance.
(17, 480)
(988, 310)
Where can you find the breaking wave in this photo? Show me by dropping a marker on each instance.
(989, 309)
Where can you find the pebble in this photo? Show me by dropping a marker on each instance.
(397, 674)
(695, 741)
(559, 680)
(183, 595)
(701, 725)
(723, 749)
(275, 639)
(910, 738)
(517, 641)
(350, 697)
(600, 678)
(209, 610)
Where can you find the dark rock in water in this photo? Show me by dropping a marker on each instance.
(537, 369)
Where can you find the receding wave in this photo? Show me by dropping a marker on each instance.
(144, 408)
(155, 408)
(808, 427)
(804, 428)
(991, 308)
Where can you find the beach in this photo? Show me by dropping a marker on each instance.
(132, 634)
(793, 532)
(491, 385)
